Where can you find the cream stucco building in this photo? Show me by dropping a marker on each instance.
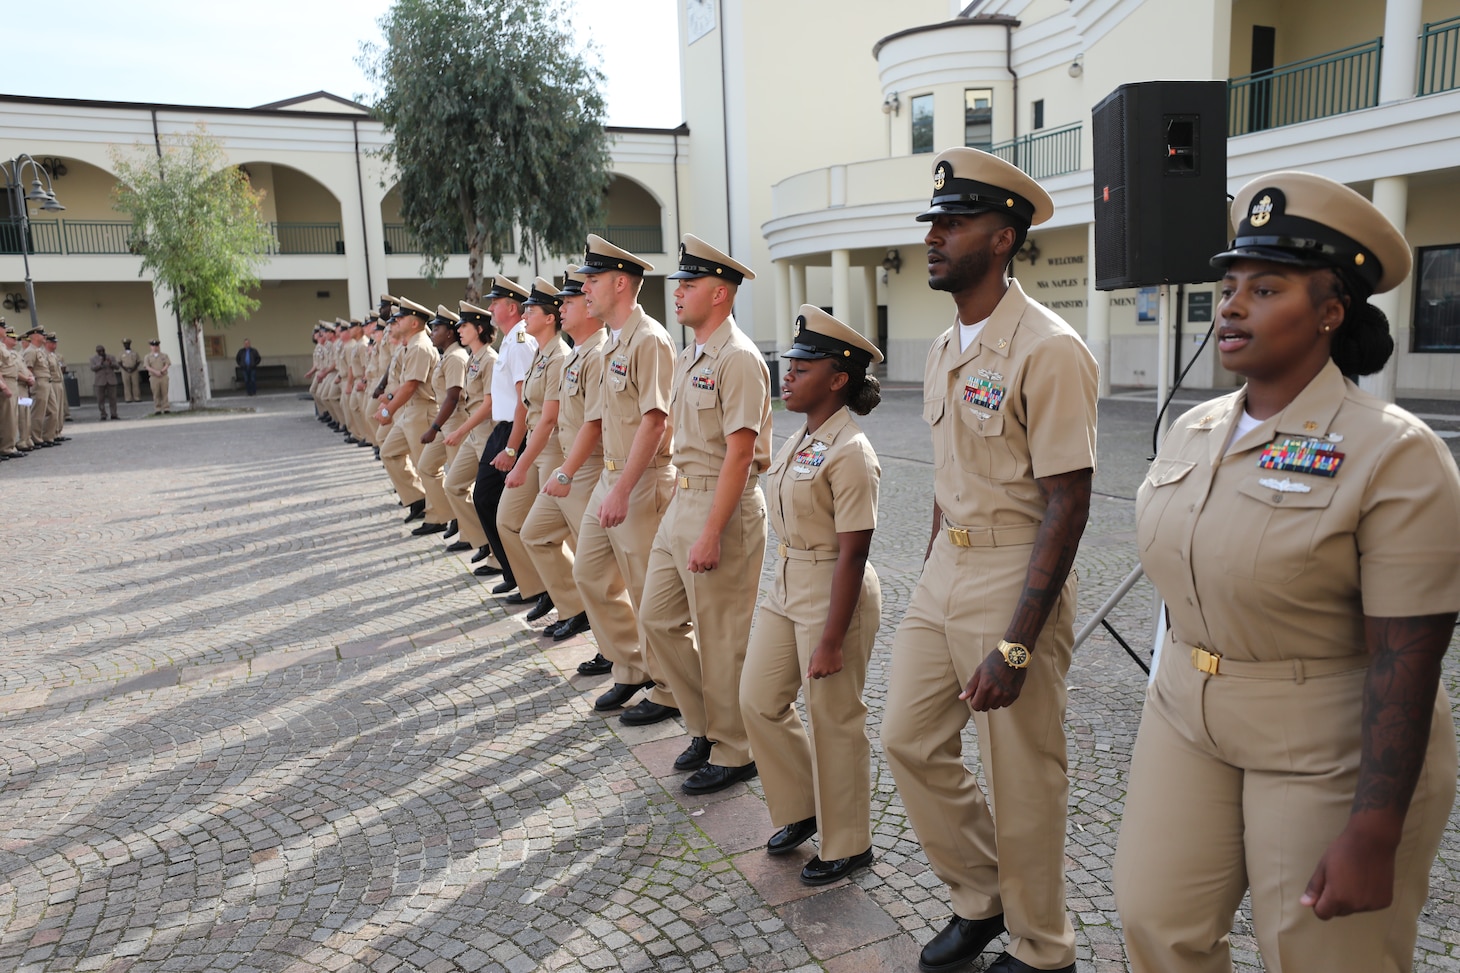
(810, 128)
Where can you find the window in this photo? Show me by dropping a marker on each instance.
(1039, 114)
(922, 124)
(1437, 299)
(978, 118)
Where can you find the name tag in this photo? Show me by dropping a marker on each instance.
(1301, 456)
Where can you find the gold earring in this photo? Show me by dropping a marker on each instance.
(1327, 329)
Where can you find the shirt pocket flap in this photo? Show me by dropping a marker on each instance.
(932, 411)
(986, 423)
(1167, 471)
(1287, 492)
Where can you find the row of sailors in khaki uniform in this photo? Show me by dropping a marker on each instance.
(30, 368)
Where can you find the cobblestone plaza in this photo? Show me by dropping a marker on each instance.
(247, 722)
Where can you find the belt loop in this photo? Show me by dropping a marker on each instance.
(1299, 675)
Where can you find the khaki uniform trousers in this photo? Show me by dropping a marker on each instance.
(790, 760)
(1013, 861)
(368, 428)
(609, 567)
(460, 478)
(512, 514)
(402, 449)
(40, 411)
(1240, 781)
(56, 411)
(10, 417)
(131, 385)
(435, 457)
(160, 401)
(697, 626)
(23, 436)
(550, 536)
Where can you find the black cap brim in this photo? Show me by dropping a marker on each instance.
(1276, 255)
(806, 353)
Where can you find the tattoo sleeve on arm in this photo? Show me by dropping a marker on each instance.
(1067, 508)
(1399, 701)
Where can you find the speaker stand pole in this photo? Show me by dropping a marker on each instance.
(1163, 389)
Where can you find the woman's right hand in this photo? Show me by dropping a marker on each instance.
(825, 661)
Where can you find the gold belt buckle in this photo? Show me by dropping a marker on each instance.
(1204, 661)
(959, 536)
(610, 465)
(684, 482)
(781, 550)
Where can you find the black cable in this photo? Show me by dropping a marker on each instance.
(1156, 429)
(1128, 650)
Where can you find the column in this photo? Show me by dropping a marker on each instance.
(785, 307)
(1097, 319)
(798, 288)
(1403, 20)
(841, 284)
(167, 333)
(1391, 197)
(869, 302)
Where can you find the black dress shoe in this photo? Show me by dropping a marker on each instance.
(571, 626)
(377, 452)
(515, 598)
(818, 872)
(543, 606)
(366, 443)
(506, 585)
(618, 695)
(695, 756)
(646, 712)
(596, 666)
(1008, 964)
(458, 546)
(482, 554)
(417, 510)
(425, 529)
(451, 530)
(351, 440)
(791, 837)
(959, 942)
(487, 571)
(712, 777)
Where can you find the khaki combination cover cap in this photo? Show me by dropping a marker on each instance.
(544, 294)
(467, 308)
(600, 255)
(817, 334)
(507, 287)
(698, 259)
(442, 311)
(1309, 220)
(408, 306)
(572, 284)
(970, 181)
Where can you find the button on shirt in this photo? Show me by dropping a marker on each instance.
(514, 358)
(1018, 404)
(723, 389)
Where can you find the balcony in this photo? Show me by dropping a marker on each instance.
(1053, 152)
(635, 239)
(93, 237)
(1317, 87)
(399, 239)
(1439, 50)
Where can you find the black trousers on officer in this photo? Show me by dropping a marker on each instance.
(488, 494)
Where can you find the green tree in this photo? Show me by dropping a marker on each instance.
(199, 232)
(496, 125)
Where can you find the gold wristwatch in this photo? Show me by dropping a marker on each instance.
(1016, 655)
(511, 453)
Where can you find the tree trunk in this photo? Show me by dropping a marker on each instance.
(200, 395)
(474, 244)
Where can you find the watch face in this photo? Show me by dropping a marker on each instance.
(1016, 655)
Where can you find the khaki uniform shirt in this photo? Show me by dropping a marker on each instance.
(130, 361)
(448, 373)
(1275, 549)
(10, 366)
(157, 362)
(417, 358)
(582, 389)
(723, 389)
(544, 379)
(57, 365)
(1017, 405)
(474, 393)
(638, 370)
(35, 361)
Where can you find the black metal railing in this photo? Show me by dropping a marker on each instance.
(399, 239)
(636, 239)
(1316, 87)
(1439, 53)
(1049, 152)
(44, 236)
(98, 236)
(302, 238)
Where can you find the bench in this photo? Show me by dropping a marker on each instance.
(271, 375)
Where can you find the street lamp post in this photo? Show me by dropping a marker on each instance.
(15, 172)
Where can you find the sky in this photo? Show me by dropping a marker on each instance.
(206, 52)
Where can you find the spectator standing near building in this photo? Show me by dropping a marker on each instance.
(104, 380)
(157, 364)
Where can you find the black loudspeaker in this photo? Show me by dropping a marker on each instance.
(1160, 183)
